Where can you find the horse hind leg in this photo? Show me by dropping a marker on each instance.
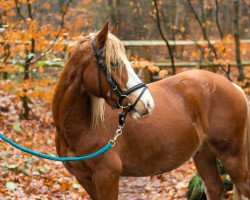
(205, 162)
(237, 170)
(236, 167)
(231, 153)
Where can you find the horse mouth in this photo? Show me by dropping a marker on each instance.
(137, 115)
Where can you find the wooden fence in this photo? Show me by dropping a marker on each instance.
(146, 42)
(133, 43)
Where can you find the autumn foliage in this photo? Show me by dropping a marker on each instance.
(36, 38)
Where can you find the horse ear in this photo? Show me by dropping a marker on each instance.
(113, 30)
(102, 35)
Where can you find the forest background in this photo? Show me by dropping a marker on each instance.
(36, 38)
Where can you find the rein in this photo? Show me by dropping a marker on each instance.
(122, 115)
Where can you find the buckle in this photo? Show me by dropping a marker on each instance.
(119, 103)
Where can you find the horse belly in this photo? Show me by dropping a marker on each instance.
(159, 153)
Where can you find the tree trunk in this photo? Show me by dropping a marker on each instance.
(30, 55)
(237, 40)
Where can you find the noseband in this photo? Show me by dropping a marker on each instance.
(121, 94)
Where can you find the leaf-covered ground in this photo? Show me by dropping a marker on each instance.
(27, 177)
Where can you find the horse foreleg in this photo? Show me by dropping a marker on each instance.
(205, 162)
(89, 186)
(106, 179)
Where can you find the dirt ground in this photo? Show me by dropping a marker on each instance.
(171, 185)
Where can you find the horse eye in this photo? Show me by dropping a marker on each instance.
(114, 65)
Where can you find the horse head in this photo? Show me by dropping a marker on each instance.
(109, 75)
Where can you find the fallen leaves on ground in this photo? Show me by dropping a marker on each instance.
(171, 185)
(26, 177)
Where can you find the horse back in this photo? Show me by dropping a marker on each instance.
(212, 103)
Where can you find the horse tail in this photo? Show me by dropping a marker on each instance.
(247, 138)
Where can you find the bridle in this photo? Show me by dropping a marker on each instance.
(121, 94)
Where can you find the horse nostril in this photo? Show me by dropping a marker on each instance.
(148, 105)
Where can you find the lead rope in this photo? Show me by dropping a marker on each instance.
(107, 147)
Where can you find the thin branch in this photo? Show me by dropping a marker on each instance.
(204, 33)
(6, 48)
(248, 12)
(1, 17)
(30, 10)
(57, 36)
(163, 37)
(19, 10)
(228, 71)
(6, 45)
(217, 19)
(205, 36)
(7, 53)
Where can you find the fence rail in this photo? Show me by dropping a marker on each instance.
(159, 64)
(146, 42)
(172, 42)
(197, 64)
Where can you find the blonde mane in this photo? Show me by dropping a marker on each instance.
(97, 111)
(114, 53)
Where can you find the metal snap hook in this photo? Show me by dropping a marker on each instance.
(112, 142)
(121, 106)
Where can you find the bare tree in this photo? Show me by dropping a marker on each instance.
(163, 37)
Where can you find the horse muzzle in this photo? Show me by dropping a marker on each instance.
(144, 107)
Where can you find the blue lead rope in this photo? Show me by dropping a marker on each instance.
(67, 159)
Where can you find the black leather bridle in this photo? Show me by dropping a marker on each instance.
(121, 94)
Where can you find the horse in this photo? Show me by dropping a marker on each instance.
(195, 114)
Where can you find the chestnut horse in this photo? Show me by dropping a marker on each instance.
(195, 114)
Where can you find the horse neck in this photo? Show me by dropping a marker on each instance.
(70, 97)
